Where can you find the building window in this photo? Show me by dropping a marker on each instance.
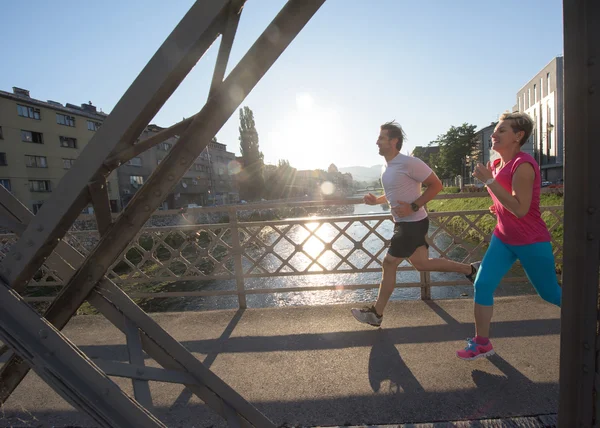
(36, 206)
(40, 186)
(68, 142)
(68, 163)
(5, 182)
(136, 180)
(535, 93)
(528, 97)
(93, 126)
(1, 134)
(63, 119)
(165, 146)
(542, 88)
(30, 112)
(3, 161)
(137, 161)
(32, 137)
(548, 82)
(36, 161)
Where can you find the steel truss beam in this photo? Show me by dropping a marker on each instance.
(83, 383)
(112, 302)
(579, 404)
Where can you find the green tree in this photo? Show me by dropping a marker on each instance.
(455, 145)
(252, 180)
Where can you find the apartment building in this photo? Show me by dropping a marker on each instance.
(210, 180)
(482, 151)
(40, 141)
(542, 98)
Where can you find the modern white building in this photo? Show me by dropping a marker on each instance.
(542, 98)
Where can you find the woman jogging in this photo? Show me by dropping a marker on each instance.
(514, 183)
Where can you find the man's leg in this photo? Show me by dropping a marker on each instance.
(421, 261)
(388, 282)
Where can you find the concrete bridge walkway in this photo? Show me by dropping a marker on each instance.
(316, 366)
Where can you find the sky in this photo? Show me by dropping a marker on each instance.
(428, 65)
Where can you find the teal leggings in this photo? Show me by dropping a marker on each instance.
(536, 259)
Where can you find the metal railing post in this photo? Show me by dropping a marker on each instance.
(425, 284)
(237, 257)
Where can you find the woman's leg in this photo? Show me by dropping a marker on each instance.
(497, 261)
(538, 262)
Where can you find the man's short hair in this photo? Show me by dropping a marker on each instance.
(520, 122)
(394, 130)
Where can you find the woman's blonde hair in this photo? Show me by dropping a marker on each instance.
(520, 122)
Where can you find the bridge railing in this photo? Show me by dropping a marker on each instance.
(177, 261)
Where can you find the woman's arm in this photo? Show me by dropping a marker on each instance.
(519, 201)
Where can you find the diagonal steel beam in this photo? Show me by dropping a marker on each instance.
(130, 152)
(64, 368)
(162, 357)
(205, 125)
(230, 29)
(65, 261)
(227, 37)
(100, 201)
(158, 80)
(218, 109)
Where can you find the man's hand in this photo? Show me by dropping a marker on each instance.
(370, 199)
(403, 209)
(493, 209)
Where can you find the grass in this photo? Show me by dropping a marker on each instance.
(487, 223)
(471, 204)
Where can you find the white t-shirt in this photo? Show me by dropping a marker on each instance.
(401, 178)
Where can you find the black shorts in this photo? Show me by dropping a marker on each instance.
(408, 236)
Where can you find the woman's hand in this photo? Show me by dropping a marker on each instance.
(483, 173)
(493, 209)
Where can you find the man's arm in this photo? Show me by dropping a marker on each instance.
(434, 186)
(381, 199)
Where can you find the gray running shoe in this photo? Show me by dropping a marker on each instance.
(367, 315)
(474, 268)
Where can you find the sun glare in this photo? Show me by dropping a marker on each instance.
(310, 135)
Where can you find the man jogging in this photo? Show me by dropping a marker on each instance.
(402, 177)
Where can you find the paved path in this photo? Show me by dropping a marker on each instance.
(316, 366)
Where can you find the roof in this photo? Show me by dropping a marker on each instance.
(70, 108)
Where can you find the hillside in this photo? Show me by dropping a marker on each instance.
(363, 173)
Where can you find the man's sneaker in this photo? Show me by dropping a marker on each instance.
(474, 268)
(474, 350)
(367, 315)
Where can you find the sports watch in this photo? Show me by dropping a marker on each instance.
(414, 207)
(488, 182)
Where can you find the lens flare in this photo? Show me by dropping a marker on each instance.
(234, 167)
(327, 188)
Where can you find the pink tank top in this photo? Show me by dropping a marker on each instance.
(529, 229)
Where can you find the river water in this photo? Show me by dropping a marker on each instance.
(330, 296)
